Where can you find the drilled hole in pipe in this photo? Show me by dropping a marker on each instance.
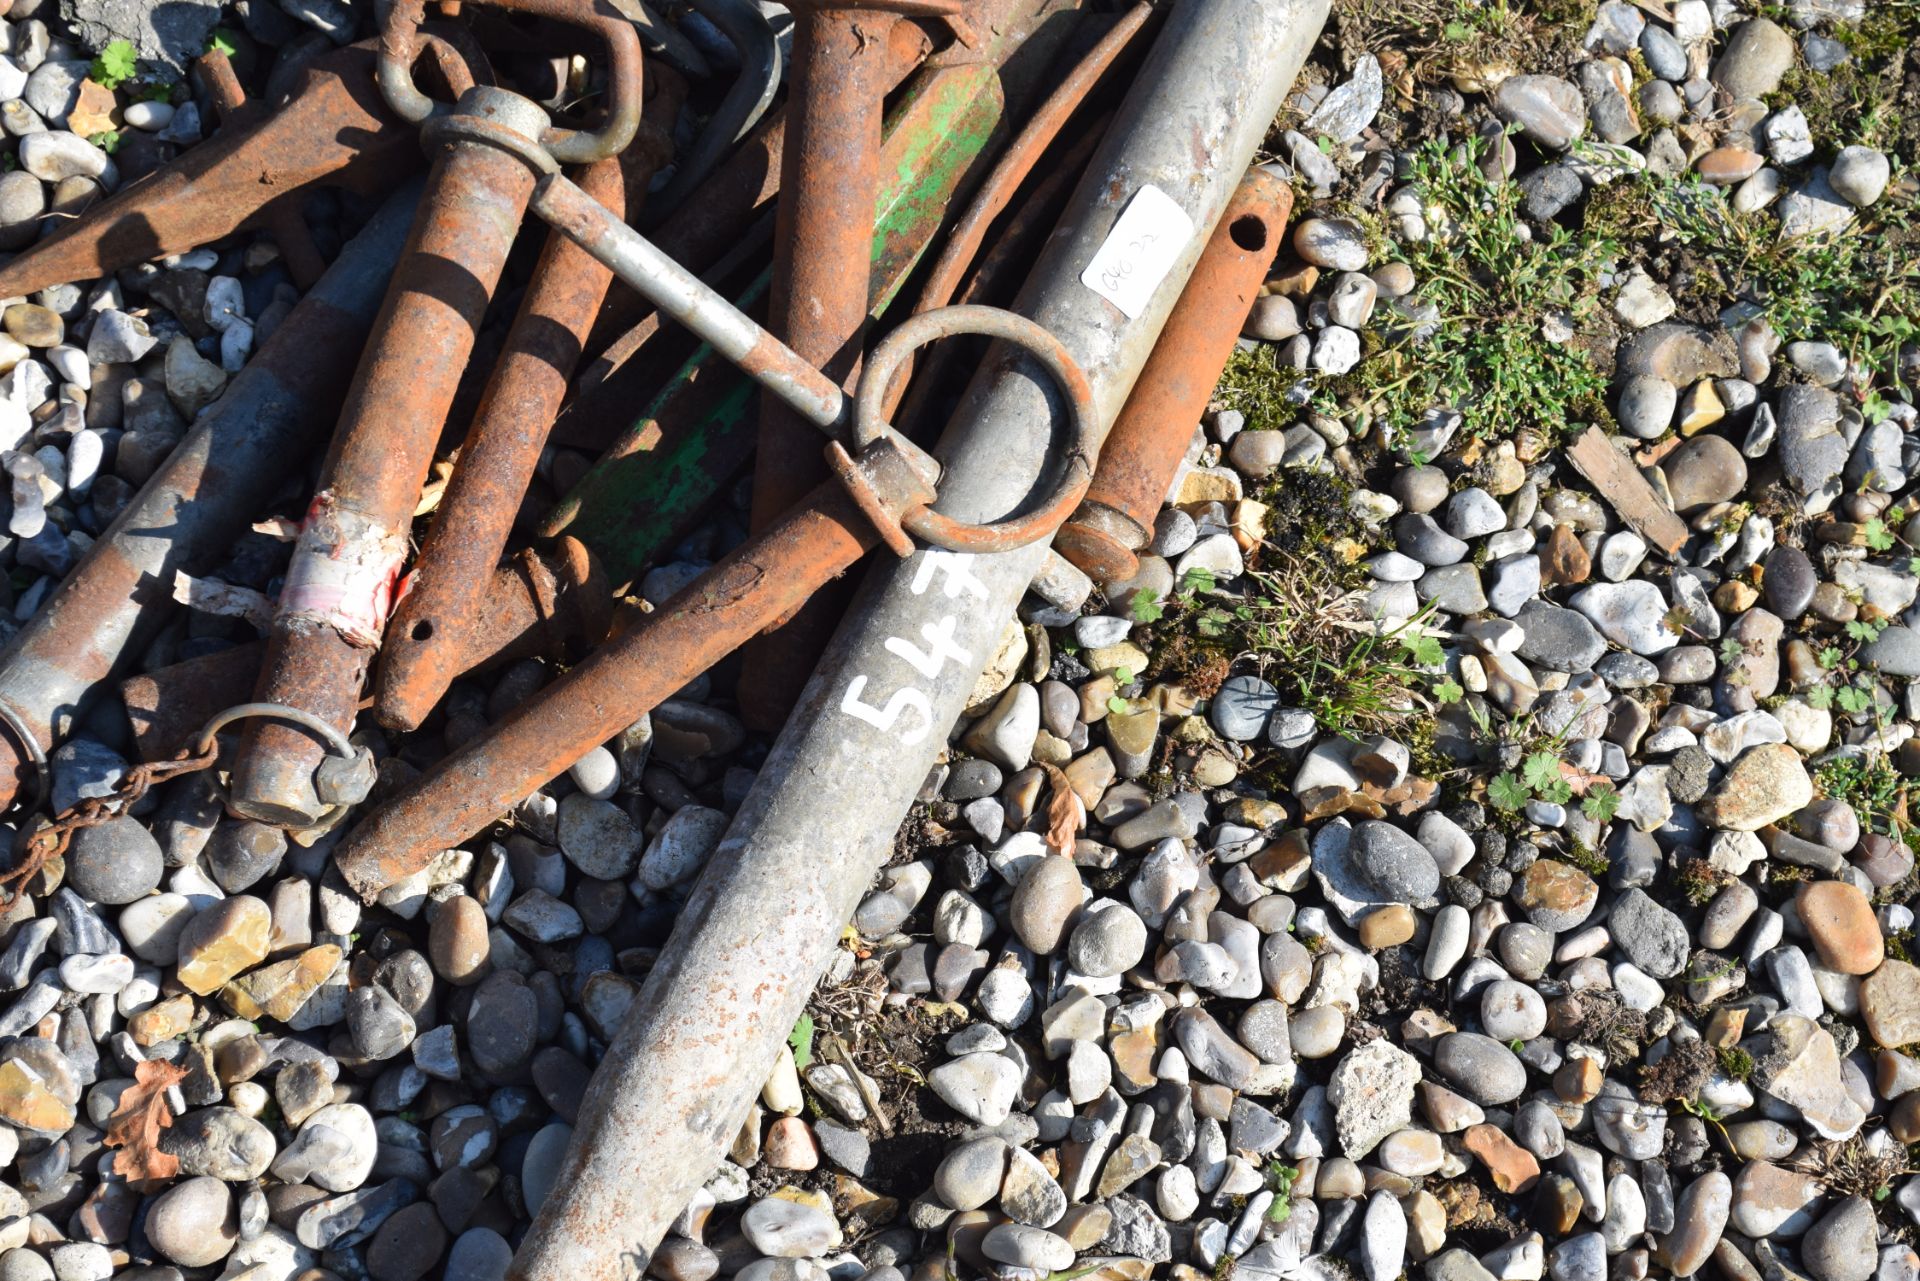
(1249, 232)
(421, 630)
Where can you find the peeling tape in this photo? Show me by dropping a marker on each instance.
(343, 572)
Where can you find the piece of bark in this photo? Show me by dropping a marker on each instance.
(1620, 484)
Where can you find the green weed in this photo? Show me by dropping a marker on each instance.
(1494, 290)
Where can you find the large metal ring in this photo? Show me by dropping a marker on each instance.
(1076, 466)
(337, 744)
(399, 44)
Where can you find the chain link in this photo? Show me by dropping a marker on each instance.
(49, 840)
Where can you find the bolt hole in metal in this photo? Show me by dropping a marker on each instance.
(1250, 233)
(422, 630)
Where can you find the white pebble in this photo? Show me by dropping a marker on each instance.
(149, 115)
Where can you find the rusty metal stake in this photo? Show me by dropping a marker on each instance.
(272, 416)
(830, 176)
(1149, 438)
(334, 131)
(428, 642)
(340, 583)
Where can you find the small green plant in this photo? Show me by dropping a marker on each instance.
(107, 140)
(1735, 1063)
(800, 1041)
(1507, 792)
(1698, 1107)
(1870, 784)
(115, 65)
(223, 41)
(1540, 778)
(1590, 861)
(1493, 291)
(1280, 1180)
(1516, 1045)
(1601, 802)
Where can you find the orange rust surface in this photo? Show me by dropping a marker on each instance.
(1153, 429)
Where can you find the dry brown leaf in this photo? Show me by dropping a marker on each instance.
(135, 1128)
(1066, 815)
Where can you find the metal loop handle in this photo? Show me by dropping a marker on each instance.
(1076, 466)
(337, 744)
(399, 41)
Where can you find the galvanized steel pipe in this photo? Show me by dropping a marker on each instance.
(764, 915)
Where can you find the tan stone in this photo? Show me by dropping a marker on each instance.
(1890, 1003)
(278, 991)
(1564, 561)
(1577, 1080)
(1387, 926)
(94, 112)
(223, 940)
(1766, 784)
(26, 1102)
(1842, 924)
(1283, 865)
(1700, 408)
(162, 1021)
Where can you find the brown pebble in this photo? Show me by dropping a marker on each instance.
(1564, 561)
(457, 941)
(790, 1145)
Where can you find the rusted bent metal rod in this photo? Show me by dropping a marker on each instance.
(333, 131)
(1148, 440)
(282, 218)
(820, 818)
(732, 198)
(274, 414)
(830, 174)
(426, 643)
(353, 541)
(882, 495)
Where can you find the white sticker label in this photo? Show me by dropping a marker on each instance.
(1139, 251)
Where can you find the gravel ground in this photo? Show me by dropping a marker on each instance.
(1475, 845)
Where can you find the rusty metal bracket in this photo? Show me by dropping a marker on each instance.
(399, 44)
(333, 131)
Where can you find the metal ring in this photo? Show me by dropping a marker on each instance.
(337, 742)
(1076, 468)
(624, 95)
(42, 772)
(465, 128)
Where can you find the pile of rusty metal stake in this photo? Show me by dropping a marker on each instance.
(1142, 240)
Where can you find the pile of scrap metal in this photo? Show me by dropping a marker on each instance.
(1069, 180)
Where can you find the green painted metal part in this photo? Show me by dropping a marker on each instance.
(698, 431)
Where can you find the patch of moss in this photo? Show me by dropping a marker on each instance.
(1306, 511)
(1735, 1062)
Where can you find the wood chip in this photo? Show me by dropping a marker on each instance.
(1625, 490)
